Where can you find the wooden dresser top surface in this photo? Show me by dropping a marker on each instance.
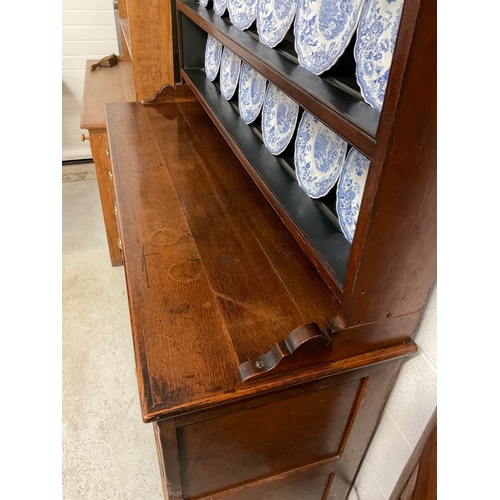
(214, 277)
(108, 84)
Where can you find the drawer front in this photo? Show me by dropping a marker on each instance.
(100, 155)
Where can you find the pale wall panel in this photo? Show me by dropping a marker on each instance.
(88, 18)
(88, 32)
(87, 5)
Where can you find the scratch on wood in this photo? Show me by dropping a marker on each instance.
(145, 264)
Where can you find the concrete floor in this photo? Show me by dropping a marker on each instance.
(108, 452)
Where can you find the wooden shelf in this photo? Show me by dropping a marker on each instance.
(310, 221)
(114, 84)
(337, 107)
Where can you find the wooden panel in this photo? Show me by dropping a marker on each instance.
(166, 447)
(251, 296)
(267, 440)
(256, 305)
(393, 261)
(114, 84)
(99, 146)
(312, 484)
(151, 38)
(378, 387)
(181, 343)
(305, 285)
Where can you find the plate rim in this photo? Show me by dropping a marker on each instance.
(238, 76)
(362, 86)
(244, 63)
(337, 175)
(229, 5)
(339, 54)
(288, 24)
(352, 152)
(269, 86)
(220, 58)
(223, 3)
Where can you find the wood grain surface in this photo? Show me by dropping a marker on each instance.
(114, 84)
(214, 277)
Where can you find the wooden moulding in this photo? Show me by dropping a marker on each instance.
(168, 94)
(301, 345)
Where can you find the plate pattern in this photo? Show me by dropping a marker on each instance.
(220, 7)
(319, 156)
(377, 32)
(323, 30)
(230, 66)
(350, 191)
(242, 13)
(213, 53)
(274, 18)
(251, 93)
(203, 3)
(279, 117)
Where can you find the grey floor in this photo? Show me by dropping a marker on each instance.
(108, 452)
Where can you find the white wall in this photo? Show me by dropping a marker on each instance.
(88, 32)
(408, 410)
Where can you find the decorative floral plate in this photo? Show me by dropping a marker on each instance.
(213, 52)
(230, 65)
(377, 32)
(251, 94)
(242, 13)
(323, 30)
(319, 156)
(220, 7)
(350, 191)
(274, 18)
(279, 117)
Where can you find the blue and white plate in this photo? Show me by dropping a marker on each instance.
(377, 32)
(350, 191)
(213, 53)
(242, 13)
(323, 30)
(251, 93)
(279, 117)
(230, 65)
(319, 156)
(203, 3)
(220, 7)
(274, 18)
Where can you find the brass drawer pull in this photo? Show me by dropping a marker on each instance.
(110, 175)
